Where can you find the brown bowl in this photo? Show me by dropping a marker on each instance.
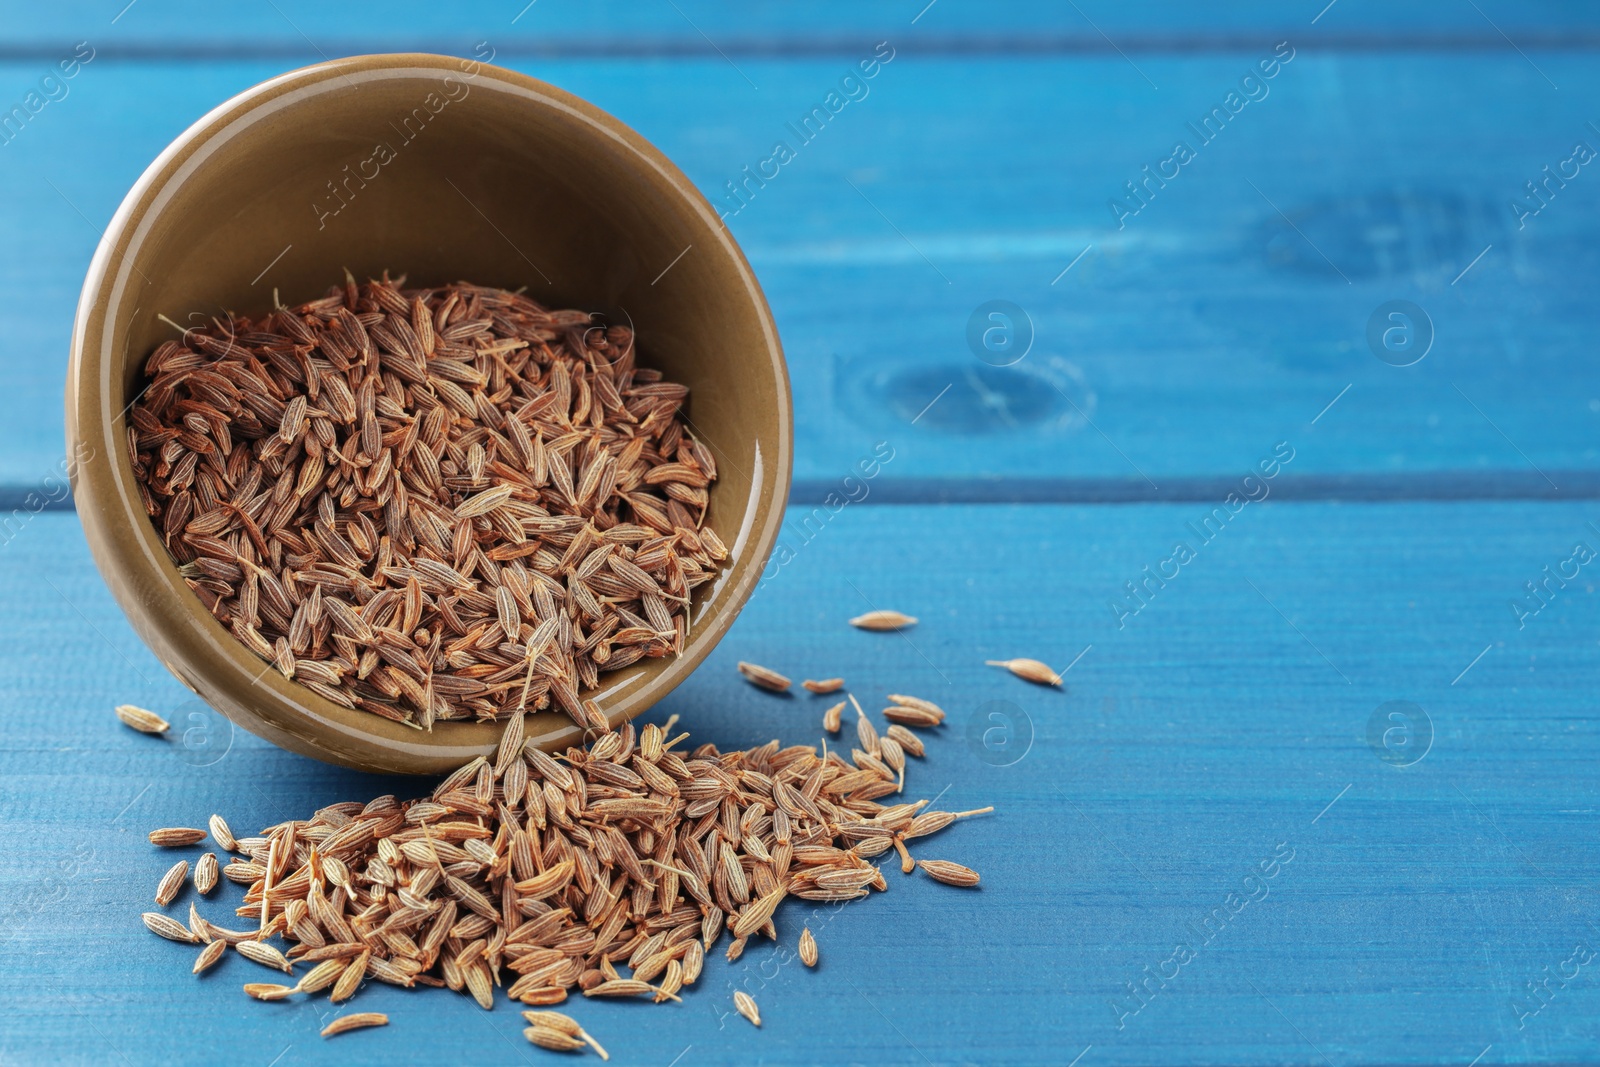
(443, 170)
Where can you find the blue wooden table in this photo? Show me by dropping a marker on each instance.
(1321, 788)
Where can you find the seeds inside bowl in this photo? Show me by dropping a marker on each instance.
(430, 504)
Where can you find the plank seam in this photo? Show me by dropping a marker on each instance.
(17, 500)
(802, 47)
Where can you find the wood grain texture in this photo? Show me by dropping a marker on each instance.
(704, 26)
(1185, 749)
(1181, 346)
(1225, 723)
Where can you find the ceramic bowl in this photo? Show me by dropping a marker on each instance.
(443, 170)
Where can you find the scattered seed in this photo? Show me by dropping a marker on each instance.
(350, 979)
(761, 676)
(232, 937)
(1028, 669)
(198, 926)
(894, 757)
(146, 722)
(910, 742)
(930, 822)
(866, 733)
(621, 851)
(832, 718)
(693, 962)
(264, 954)
(267, 990)
(620, 987)
(827, 685)
(949, 873)
(808, 948)
(917, 702)
(355, 1021)
(759, 912)
(566, 1025)
(546, 1037)
(883, 620)
(205, 873)
(176, 836)
(913, 716)
(222, 835)
(321, 976)
(242, 873)
(172, 882)
(209, 956)
(747, 1006)
(168, 927)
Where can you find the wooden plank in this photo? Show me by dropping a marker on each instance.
(1183, 345)
(705, 26)
(1226, 724)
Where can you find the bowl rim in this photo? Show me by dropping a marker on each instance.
(188, 640)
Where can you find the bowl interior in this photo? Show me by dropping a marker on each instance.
(440, 170)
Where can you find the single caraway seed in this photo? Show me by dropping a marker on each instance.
(1028, 669)
(168, 927)
(222, 835)
(808, 948)
(266, 887)
(917, 702)
(620, 987)
(177, 836)
(913, 716)
(755, 916)
(359, 1020)
(267, 990)
(198, 926)
(866, 733)
(146, 722)
(894, 757)
(321, 976)
(350, 980)
(747, 1006)
(243, 873)
(832, 719)
(827, 685)
(883, 620)
(209, 956)
(949, 873)
(761, 676)
(172, 882)
(547, 1037)
(930, 822)
(264, 954)
(205, 873)
(430, 504)
(910, 742)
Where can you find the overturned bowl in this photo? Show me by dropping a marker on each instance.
(443, 170)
